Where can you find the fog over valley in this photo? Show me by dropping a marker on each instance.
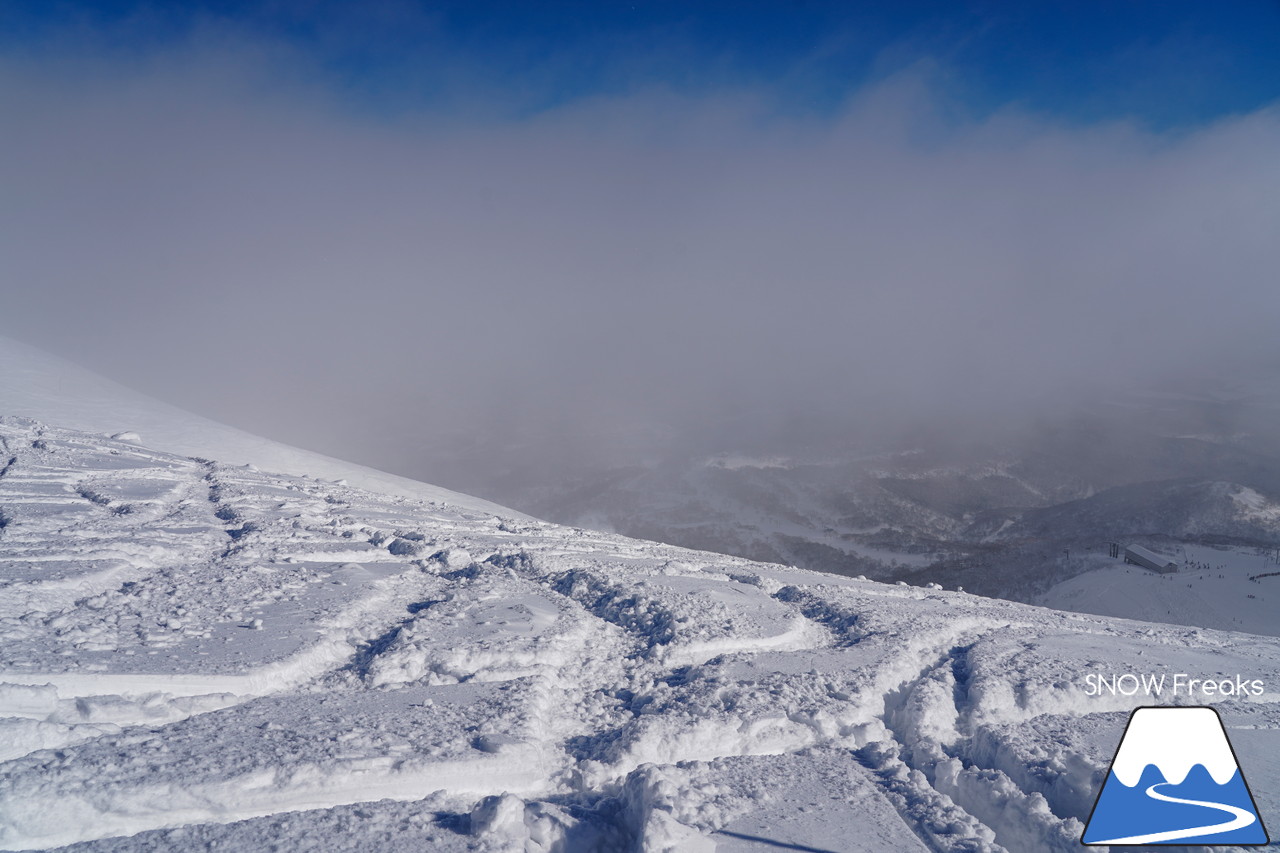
(925, 321)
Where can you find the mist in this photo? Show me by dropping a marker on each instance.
(657, 271)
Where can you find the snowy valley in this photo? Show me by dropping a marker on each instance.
(1021, 512)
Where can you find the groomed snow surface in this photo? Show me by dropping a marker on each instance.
(1228, 588)
(200, 655)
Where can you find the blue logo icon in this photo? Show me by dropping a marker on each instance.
(1175, 780)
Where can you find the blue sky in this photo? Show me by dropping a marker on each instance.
(1163, 64)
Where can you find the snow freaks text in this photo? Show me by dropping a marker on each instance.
(1177, 684)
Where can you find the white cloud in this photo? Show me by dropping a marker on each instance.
(247, 249)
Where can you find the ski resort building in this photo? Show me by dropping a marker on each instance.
(1140, 556)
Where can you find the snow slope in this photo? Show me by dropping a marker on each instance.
(36, 384)
(197, 654)
(1229, 588)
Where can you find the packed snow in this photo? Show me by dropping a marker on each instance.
(201, 654)
(1229, 588)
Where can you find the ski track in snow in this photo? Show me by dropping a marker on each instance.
(211, 653)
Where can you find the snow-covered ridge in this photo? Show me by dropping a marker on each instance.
(1255, 506)
(36, 384)
(734, 462)
(197, 653)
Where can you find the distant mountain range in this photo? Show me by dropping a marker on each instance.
(1002, 515)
